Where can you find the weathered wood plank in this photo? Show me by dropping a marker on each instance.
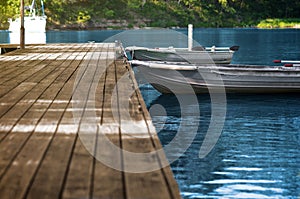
(141, 185)
(9, 64)
(78, 180)
(147, 141)
(108, 182)
(16, 180)
(17, 110)
(49, 178)
(15, 95)
(138, 140)
(86, 76)
(76, 183)
(64, 108)
(23, 68)
(47, 126)
(58, 155)
(43, 80)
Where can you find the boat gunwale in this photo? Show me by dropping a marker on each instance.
(181, 66)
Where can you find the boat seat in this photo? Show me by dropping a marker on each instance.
(198, 48)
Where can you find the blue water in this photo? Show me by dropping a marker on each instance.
(257, 154)
(257, 46)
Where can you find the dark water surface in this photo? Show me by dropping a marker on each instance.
(257, 154)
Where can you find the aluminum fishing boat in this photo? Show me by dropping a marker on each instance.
(189, 78)
(197, 55)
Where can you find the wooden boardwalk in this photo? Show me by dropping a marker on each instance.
(61, 108)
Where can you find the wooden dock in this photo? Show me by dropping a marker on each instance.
(64, 108)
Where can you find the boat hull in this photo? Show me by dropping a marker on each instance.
(34, 24)
(177, 55)
(230, 79)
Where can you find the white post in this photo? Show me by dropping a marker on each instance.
(190, 37)
(22, 28)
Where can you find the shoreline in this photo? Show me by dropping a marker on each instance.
(174, 28)
(120, 24)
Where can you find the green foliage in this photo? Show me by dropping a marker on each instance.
(279, 23)
(8, 9)
(135, 4)
(159, 13)
(83, 17)
(109, 13)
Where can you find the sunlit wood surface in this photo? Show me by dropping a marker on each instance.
(42, 154)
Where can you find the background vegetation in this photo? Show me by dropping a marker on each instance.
(89, 14)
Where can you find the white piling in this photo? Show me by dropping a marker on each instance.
(190, 37)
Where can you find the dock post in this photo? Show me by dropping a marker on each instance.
(22, 29)
(190, 37)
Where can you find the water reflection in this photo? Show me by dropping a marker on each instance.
(257, 155)
(30, 38)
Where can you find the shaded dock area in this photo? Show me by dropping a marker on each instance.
(73, 124)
